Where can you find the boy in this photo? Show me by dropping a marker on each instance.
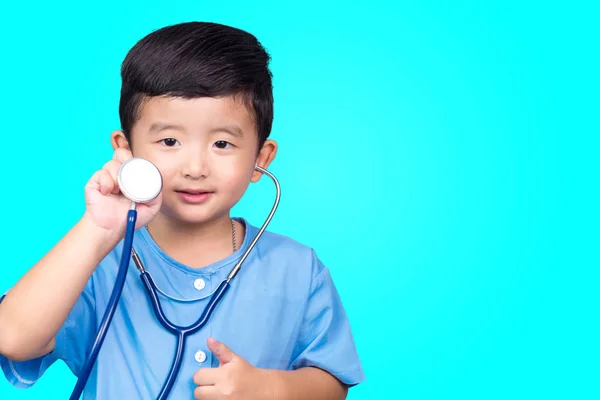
(196, 101)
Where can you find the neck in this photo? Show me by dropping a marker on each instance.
(194, 245)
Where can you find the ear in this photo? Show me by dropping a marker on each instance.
(119, 141)
(265, 156)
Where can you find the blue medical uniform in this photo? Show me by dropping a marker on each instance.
(281, 312)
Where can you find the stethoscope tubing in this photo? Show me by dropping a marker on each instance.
(111, 308)
(180, 332)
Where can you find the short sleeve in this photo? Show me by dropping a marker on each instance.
(72, 341)
(325, 339)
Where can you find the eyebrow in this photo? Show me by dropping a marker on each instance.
(161, 126)
(231, 129)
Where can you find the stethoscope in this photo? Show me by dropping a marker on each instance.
(140, 181)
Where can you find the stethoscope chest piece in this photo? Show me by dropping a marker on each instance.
(139, 180)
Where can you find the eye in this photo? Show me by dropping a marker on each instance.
(169, 142)
(221, 144)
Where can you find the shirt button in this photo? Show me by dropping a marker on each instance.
(199, 284)
(200, 356)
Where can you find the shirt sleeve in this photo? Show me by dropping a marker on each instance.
(72, 342)
(325, 339)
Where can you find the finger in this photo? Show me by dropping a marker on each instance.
(206, 393)
(94, 182)
(153, 205)
(105, 182)
(122, 155)
(223, 353)
(113, 169)
(207, 376)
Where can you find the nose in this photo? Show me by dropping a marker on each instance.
(195, 165)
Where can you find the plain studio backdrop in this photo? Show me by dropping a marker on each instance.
(440, 157)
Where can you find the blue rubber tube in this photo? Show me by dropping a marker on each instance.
(180, 331)
(110, 308)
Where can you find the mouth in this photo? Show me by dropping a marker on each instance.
(193, 191)
(194, 196)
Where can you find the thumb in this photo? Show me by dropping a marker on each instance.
(223, 353)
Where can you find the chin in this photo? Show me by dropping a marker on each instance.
(194, 216)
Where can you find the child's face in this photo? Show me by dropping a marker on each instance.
(204, 145)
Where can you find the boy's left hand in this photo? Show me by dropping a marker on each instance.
(234, 379)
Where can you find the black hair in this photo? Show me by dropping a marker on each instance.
(198, 59)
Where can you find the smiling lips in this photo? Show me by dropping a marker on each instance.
(194, 196)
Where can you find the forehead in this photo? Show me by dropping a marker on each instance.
(197, 114)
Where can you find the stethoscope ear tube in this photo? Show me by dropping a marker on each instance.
(237, 267)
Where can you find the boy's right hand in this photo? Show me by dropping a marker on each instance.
(107, 207)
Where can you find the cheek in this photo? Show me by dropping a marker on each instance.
(236, 177)
(235, 180)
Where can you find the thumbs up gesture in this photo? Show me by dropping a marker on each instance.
(234, 379)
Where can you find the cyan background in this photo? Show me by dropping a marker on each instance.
(441, 157)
